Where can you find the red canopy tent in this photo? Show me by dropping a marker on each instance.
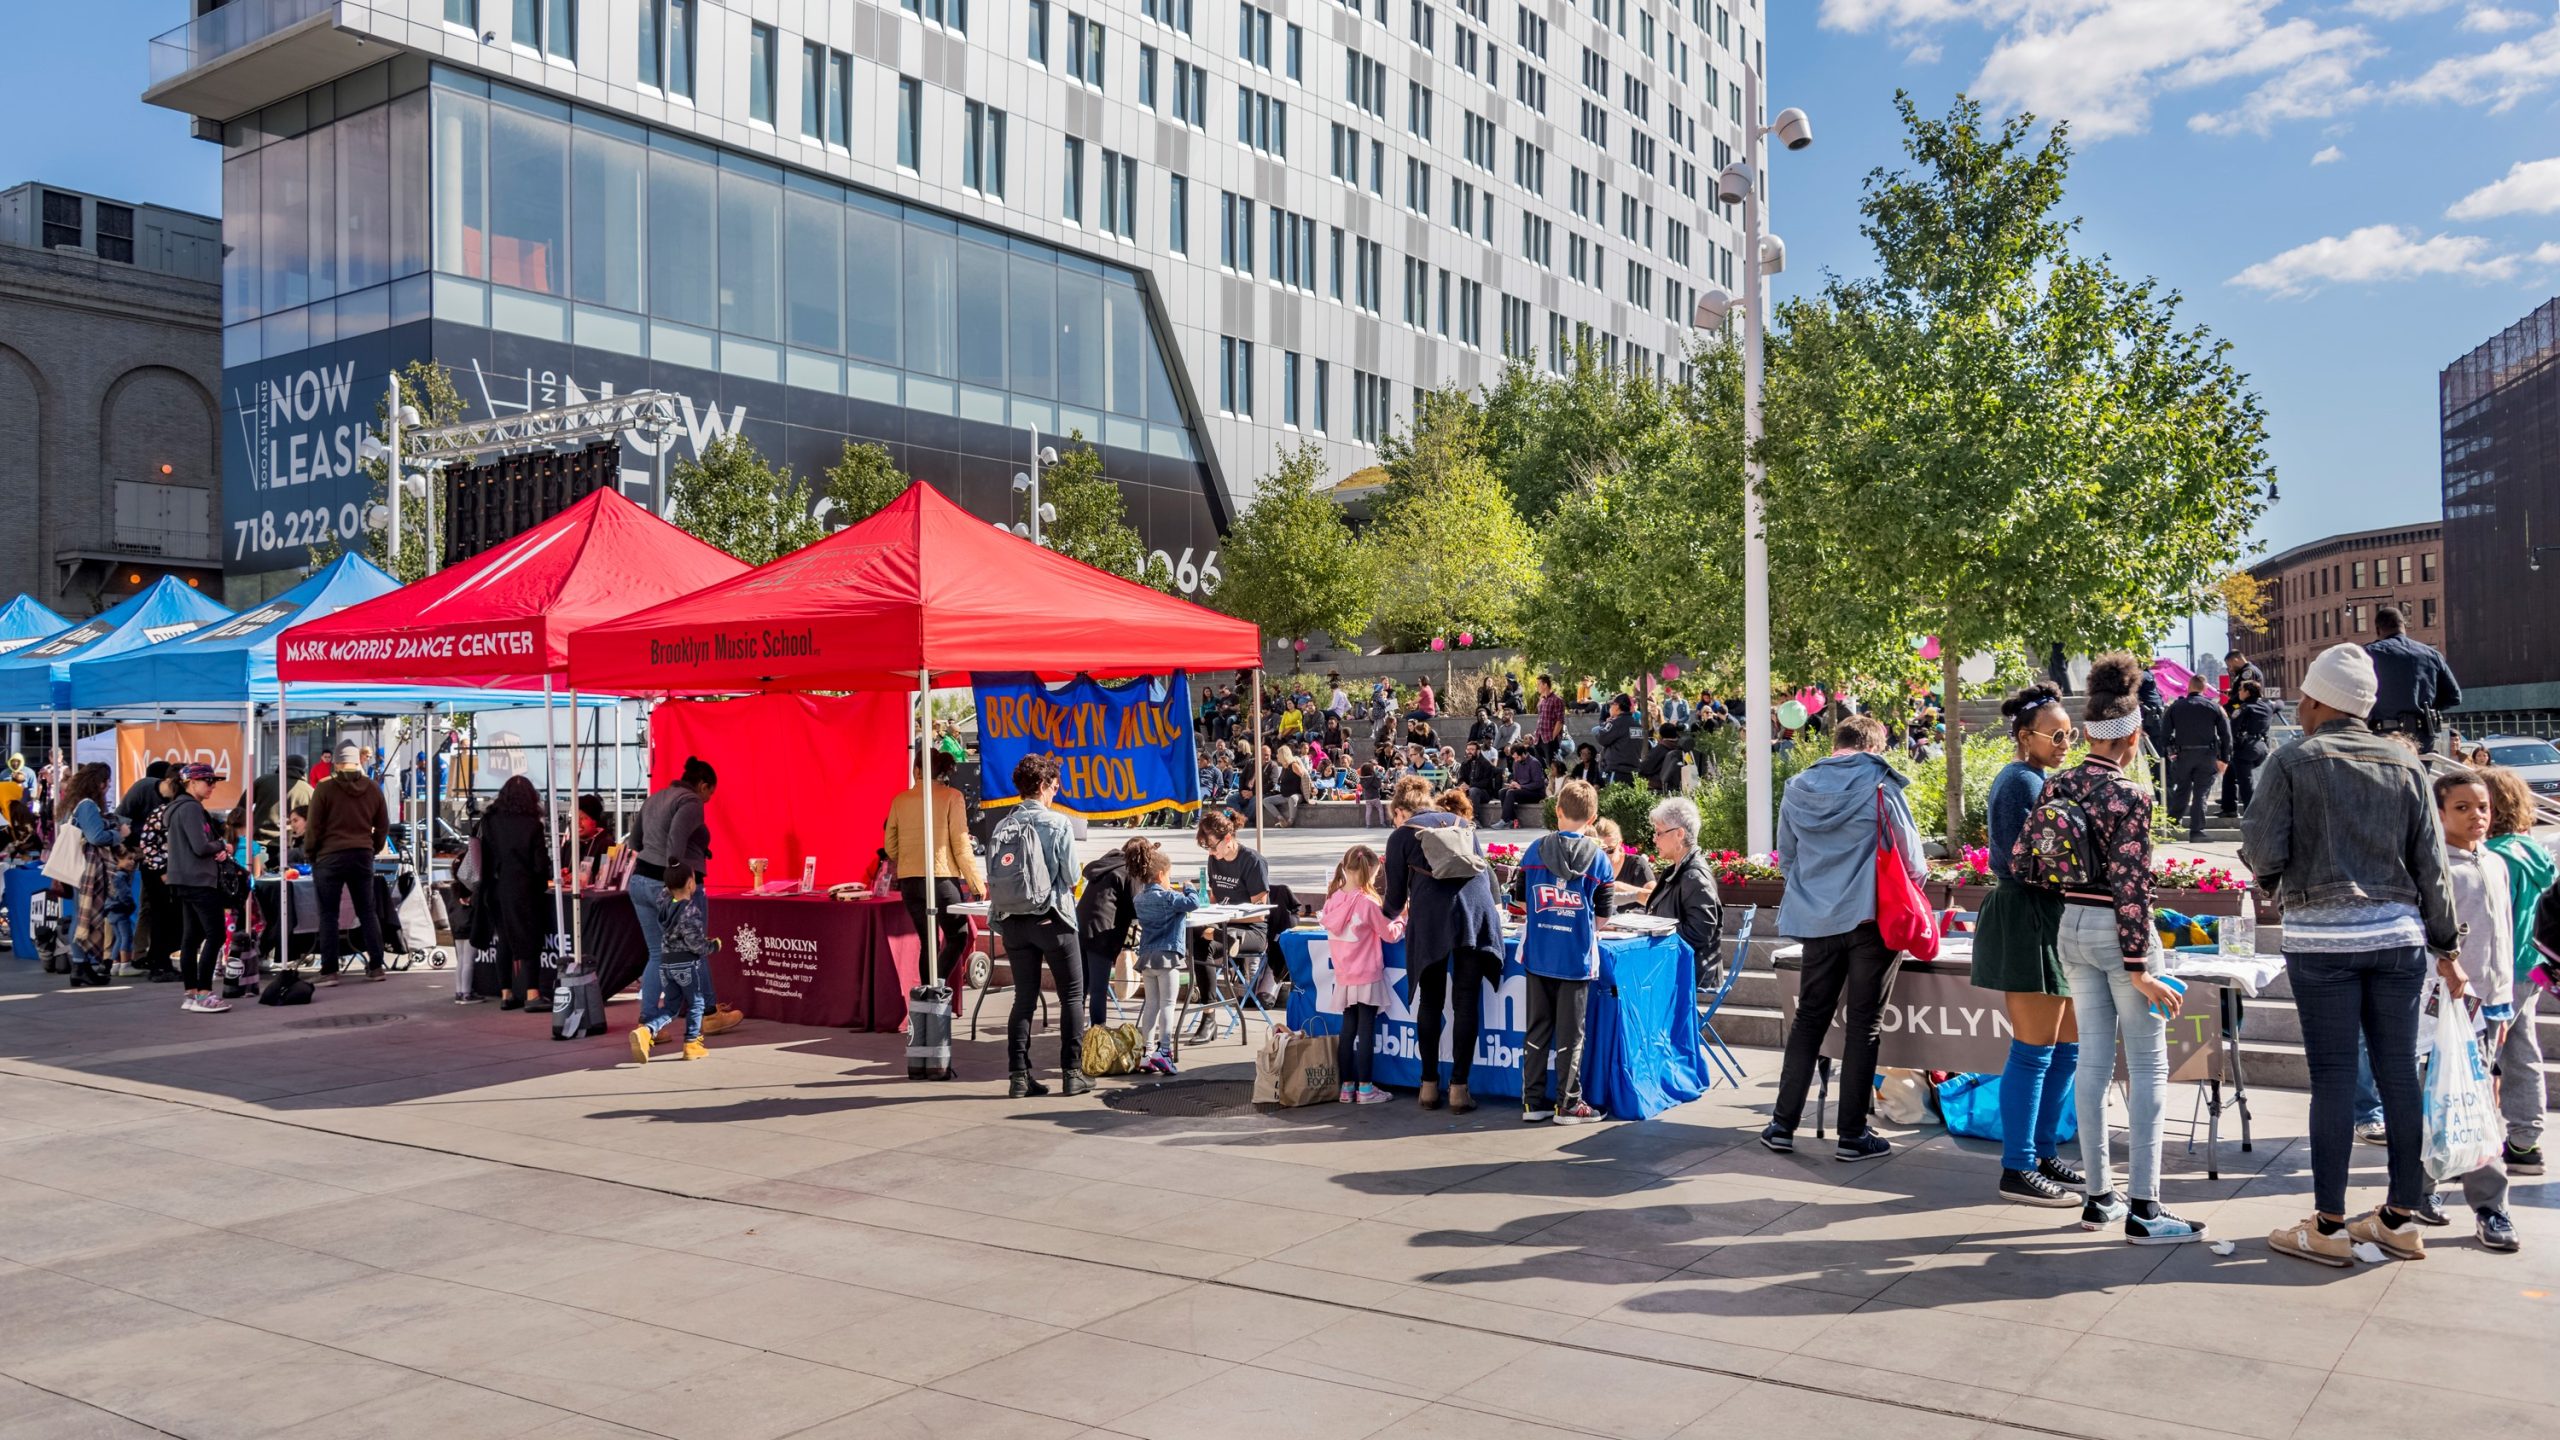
(922, 592)
(502, 619)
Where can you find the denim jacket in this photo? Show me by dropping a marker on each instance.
(2346, 817)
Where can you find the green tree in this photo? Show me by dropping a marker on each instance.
(428, 389)
(731, 498)
(1549, 436)
(1291, 564)
(1997, 439)
(862, 482)
(1449, 551)
(1093, 518)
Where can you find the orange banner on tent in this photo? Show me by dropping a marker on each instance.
(182, 742)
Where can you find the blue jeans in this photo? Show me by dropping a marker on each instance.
(2350, 1001)
(2368, 1095)
(681, 990)
(2102, 990)
(645, 894)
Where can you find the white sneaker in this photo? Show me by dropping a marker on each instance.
(211, 1004)
(190, 1006)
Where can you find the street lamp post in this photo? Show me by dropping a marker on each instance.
(1042, 457)
(1762, 254)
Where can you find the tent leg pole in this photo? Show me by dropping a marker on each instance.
(578, 852)
(617, 771)
(284, 838)
(932, 936)
(551, 809)
(1253, 767)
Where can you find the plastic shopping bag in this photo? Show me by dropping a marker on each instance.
(2464, 1130)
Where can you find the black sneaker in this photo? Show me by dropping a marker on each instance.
(2066, 1176)
(1074, 1082)
(1024, 1086)
(2527, 1161)
(2101, 1211)
(2032, 1187)
(2162, 1228)
(2430, 1213)
(1870, 1146)
(1779, 1138)
(2497, 1232)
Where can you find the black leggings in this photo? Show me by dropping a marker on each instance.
(952, 956)
(1431, 987)
(1358, 1047)
(201, 934)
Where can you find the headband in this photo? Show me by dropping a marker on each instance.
(2115, 729)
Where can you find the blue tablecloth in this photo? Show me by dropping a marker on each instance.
(24, 883)
(1640, 1053)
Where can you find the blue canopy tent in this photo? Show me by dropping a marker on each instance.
(23, 622)
(36, 679)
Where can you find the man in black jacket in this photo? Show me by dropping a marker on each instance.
(156, 938)
(2412, 684)
(1620, 739)
(2199, 746)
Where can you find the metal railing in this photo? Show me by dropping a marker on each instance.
(219, 31)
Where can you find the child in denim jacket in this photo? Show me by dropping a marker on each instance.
(685, 916)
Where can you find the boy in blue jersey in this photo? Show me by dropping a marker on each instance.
(1564, 881)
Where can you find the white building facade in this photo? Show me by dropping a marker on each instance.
(1195, 233)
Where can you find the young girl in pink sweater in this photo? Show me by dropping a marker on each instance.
(1357, 928)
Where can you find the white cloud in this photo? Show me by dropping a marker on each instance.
(1927, 52)
(2494, 20)
(2498, 77)
(2546, 253)
(2102, 64)
(2530, 187)
(2328, 155)
(2378, 254)
(2398, 9)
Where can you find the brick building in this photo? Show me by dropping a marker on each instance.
(2327, 591)
(110, 361)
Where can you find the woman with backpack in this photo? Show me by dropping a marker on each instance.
(2091, 833)
(1453, 931)
(2017, 951)
(1031, 886)
(83, 812)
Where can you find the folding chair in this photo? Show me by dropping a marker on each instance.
(1719, 1054)
(1225, 963)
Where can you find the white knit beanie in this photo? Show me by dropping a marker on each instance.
(2342, 679)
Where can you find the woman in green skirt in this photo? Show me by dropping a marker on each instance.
(2015, 951)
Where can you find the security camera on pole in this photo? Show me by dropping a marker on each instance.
(1042, 457)
(386, 517)
(1762, 254)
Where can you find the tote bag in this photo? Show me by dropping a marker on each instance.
(1903, 916)
(68, 862)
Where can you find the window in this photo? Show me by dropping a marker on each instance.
(1084, 50)
(1595, 124)
(1532, 32)
(115, 234)
(1190, 94)
(2405, 566)
(666, 45)
(1253, 36)
(1235, 240)
(910, 121)
(982, 151)
(1364, 83)
(760, 77)
(1417, 113)
(1479, 141)
(465, 13)
(1235, 376)
(2358, 582)
(1462, 206)
(1178, 215)
(2426, 614)
(1369, 401)
(1289, 387)
(1417, 187)
(550, 26)
(61, 221)
(1071, 201)
(1518, 340)
(1423, 22)
(1537, 239)
(1417, 293)
(1529, 86)
(1334, 287)
(1175, 14)
(826, 94)
(1147, 76)
(1262, 122)
(1035, 40)
(951, 13)
(1346, 155)
(1529, 167)
(2427, 566)
(1120, 195)
(1293, 249)
(1369, 275)
(1297, 53)
(1324, 382)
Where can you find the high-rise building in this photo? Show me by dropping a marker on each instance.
(1196, 234)
(110, 355)
(2501, 416)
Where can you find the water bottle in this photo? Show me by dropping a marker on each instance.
(2239, 933)
(1203, 891)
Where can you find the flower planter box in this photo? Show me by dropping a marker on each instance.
(1765, 893)
(2199, 902)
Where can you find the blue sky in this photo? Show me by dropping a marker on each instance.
(2354, 192)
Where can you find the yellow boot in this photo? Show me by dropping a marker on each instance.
(695, 1050)
(641, 1041)
(724, 1018)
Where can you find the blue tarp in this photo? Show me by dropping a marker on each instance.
(1640, 1052)
(37, 678)
(23, 622)
(210, 673)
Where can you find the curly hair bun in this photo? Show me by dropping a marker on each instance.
(2017, 708)
(2116, 674)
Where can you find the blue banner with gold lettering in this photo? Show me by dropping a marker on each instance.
(1123, 750)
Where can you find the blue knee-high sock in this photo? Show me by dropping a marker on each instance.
(2022, 1091)
(2057, 1096)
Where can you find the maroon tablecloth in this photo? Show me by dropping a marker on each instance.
(808, 960)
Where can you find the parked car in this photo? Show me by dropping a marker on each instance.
(2536, 760)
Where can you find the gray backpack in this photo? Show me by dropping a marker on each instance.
(1017, 869)
(1449, 851)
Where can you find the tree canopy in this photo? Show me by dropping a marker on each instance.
(1450, 553)
(861, 483)
(729, 497)
(1291, 564)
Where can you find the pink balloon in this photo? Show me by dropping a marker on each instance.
(1929, 648)
(1466, 638)
(1439, 644)
(1302, 647)
(1670, 672)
